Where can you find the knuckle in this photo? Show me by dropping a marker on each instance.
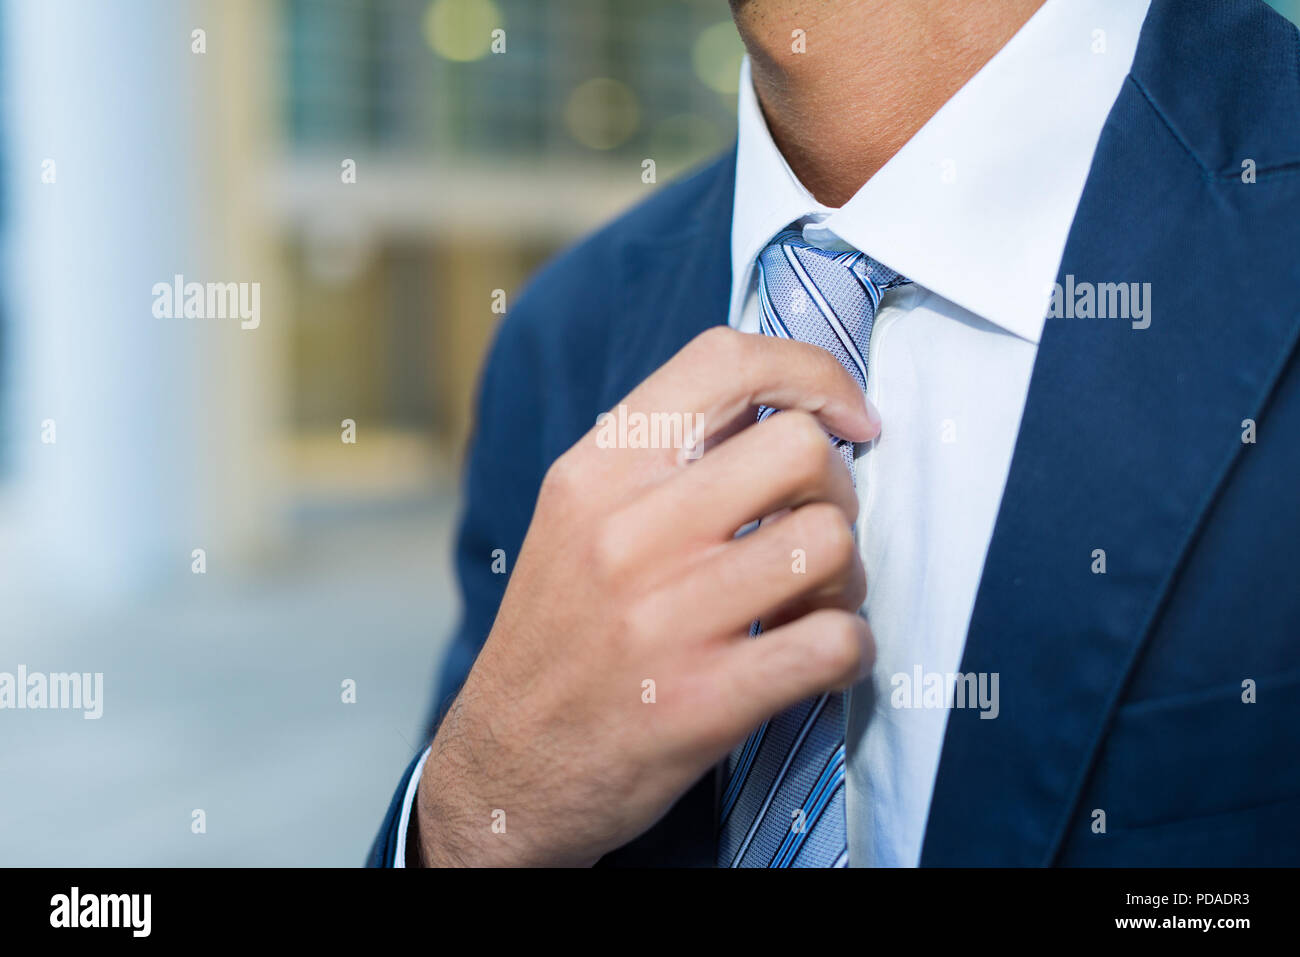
(563, 479)
(611, 551)
(640, 625)
(802, 439)
(828, 534)
(839, 649)
(715, 342)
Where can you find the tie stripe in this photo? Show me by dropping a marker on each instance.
(809, 722)
(769, 322)
(783, 803)
(831, 778)
(846, 340)
(743, 765)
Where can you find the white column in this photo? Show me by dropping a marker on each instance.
(113, 97)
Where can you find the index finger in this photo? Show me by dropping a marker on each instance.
(723, 376)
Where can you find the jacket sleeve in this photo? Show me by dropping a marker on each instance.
(503, 473)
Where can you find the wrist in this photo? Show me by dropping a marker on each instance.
(454, 814)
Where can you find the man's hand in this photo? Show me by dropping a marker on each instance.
(631, 573)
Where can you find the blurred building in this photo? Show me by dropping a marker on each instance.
(386, 171)
(486, 134)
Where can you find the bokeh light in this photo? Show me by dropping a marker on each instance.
(716, 56)
(461, 30)
(602, 113)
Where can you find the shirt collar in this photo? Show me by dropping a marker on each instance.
(977, 206)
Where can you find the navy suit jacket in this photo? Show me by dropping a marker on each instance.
(1126, 692)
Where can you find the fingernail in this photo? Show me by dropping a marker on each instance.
(873, 416)
(864, 668)
(868, 661)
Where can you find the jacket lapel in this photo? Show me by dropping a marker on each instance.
(676, 280)
(1127, 433)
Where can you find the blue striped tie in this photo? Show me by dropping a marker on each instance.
(783, 804)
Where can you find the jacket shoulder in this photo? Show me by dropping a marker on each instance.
(1224, 75)
(573, 291)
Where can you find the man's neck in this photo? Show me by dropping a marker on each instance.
(864, 76)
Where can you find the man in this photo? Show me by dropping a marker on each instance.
(1050, 556)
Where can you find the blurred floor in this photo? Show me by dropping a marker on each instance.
(224, 694)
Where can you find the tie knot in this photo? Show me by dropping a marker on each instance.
(823, 297)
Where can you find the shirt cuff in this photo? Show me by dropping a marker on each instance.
(408, 802)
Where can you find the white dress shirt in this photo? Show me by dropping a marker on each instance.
(975, 209)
